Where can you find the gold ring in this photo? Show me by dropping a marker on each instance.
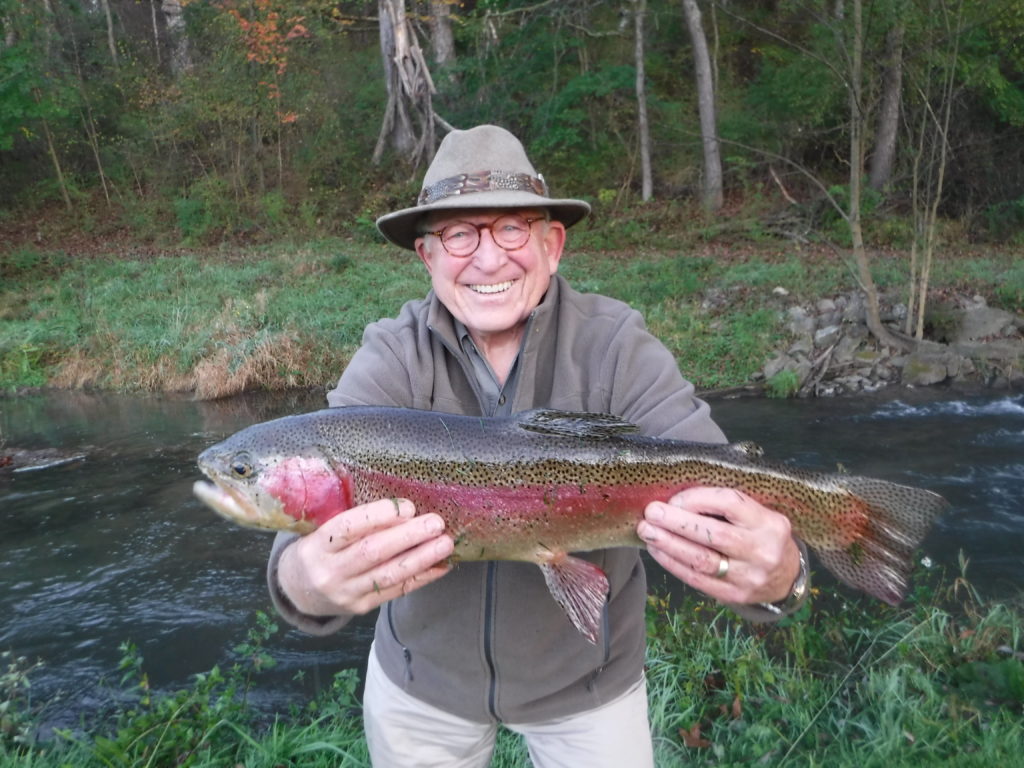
(723, 567)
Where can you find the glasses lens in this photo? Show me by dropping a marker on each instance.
(460, 239)
(511, 231)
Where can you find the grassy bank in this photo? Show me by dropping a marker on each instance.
(847, 683)
(219, 322)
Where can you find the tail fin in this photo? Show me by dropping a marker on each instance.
(880, 561)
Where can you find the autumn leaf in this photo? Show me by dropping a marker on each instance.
(692, 738)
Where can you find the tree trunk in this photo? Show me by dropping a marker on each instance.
(111, 43)
(712, 192)
(857, 125)
(408, 126)
(441, 38)
(156, 30)
(646, 183)
(181, 55)
(884, 155)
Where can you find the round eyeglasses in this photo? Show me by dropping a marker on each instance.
(463, 238)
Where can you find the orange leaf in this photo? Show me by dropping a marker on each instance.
(692, 738)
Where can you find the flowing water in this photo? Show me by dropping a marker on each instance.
(111, 546)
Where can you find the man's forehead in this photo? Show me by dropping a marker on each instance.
(477, 215)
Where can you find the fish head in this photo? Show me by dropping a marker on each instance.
(261, 481)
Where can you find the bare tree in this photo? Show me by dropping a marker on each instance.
(646, 183)
(929, 170)
(712, 186)
(858, 122)
(408, 126)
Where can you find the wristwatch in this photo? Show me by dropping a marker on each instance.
(797, 594)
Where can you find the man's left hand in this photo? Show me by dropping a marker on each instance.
(691, 534)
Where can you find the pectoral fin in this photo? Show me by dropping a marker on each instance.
(581, 588)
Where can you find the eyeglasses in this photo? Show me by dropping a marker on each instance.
(463, 238)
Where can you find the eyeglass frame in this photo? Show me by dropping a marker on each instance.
(530, 221)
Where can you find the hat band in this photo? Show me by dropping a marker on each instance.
(482, 181)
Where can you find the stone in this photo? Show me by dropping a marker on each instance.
(827, 336)
(800, 322)
(982, 322)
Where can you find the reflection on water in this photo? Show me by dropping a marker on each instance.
(114, 547)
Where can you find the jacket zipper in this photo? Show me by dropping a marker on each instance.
(406, 653)
(492, 691)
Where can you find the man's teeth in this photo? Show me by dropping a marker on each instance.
(493, 288)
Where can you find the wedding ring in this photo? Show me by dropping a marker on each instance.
(723, 567)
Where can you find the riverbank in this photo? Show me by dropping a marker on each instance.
(849, 684)
(777, 317)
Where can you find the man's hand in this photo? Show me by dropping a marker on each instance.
(691, 534)
(363, 557)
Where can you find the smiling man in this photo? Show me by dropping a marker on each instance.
(458, 650)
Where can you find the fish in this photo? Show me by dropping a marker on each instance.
(543, 484)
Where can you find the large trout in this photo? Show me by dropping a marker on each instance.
(544, 483)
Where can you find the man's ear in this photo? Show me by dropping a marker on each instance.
(554, 243)
(424, 253)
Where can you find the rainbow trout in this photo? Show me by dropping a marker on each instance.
(543, 483)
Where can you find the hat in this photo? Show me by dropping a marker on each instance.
(484, 167)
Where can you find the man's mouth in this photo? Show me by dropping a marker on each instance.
(493, 287)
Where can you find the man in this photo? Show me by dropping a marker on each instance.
(458, 650)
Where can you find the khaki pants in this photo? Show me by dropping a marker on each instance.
(404, 732)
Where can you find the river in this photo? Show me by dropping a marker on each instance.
(112, 546)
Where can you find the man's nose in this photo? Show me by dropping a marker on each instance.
(489, 255)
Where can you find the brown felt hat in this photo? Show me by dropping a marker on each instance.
(483, 167)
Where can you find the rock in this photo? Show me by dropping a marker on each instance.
(931, 364)
(982, 322)
(827, 336)
(800, 322)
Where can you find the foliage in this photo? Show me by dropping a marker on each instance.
(270, 127)
(845, 681)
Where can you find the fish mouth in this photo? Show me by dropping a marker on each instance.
(240, 508)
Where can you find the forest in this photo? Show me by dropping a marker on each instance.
(198, 122)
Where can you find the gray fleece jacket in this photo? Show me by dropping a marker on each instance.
(487, 642)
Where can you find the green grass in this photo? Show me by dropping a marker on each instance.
(218, 322)
(846, 682)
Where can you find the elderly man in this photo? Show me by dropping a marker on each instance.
(458, 650)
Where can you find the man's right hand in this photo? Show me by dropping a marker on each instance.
(363, 557)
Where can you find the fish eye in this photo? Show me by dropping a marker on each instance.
(241, 466)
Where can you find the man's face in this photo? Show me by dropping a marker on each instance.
(492, 290)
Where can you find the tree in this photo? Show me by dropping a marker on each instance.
(883, 156)
(408, 126)
(441, 37)
(712, 195)
(646, 183)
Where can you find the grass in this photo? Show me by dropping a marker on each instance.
(274, 317)
(846, 682)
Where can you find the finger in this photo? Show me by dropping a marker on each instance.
(356, 523)
(694, 556)
(730, 504)
(722, 590)
(382, 546)
(704, 531)
(406, 573)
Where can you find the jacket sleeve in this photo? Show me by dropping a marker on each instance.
(376, 375)
(649, 391)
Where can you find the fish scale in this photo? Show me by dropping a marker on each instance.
(542, 484)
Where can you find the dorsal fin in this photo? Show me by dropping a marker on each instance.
(595, 426)
(749, 449)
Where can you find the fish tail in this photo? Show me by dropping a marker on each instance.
(879, 561)
(581, 588)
